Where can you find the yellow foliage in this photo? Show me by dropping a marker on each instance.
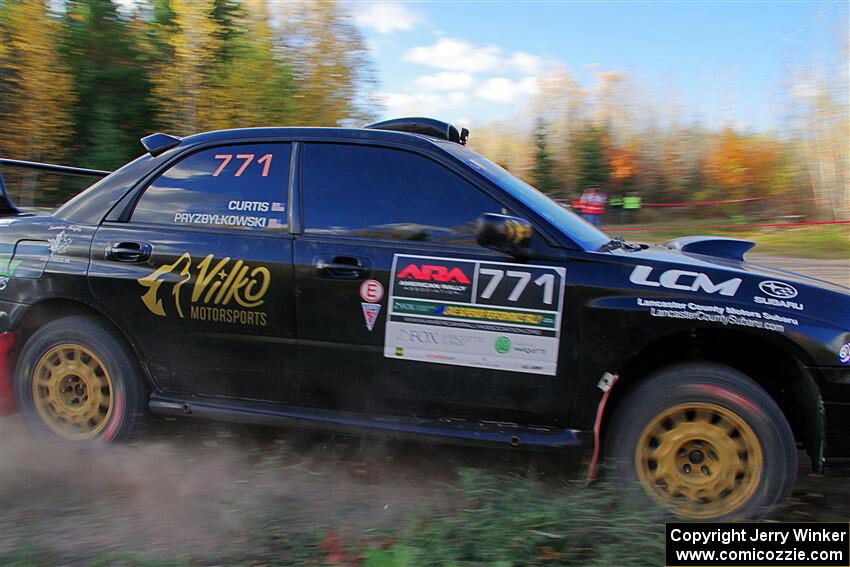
(36, 120)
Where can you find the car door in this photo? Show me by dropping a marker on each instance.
(399, 309)
(200, 275)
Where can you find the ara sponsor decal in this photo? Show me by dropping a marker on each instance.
(371, 291)
(218, 290)
(465, 312)
(683, 280)
(844, 354)
(780, 293)
(370, 314)
(427, 272)
(434, 278)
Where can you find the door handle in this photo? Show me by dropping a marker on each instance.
(129, 251)
(342, 267)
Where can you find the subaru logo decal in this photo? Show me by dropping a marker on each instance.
(777, 289)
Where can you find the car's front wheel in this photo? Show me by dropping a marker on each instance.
(706, 441)
(78, 381)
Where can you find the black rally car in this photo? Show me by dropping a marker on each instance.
(388, 279)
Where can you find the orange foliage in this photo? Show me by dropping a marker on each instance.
(726, 163)
(624, 163)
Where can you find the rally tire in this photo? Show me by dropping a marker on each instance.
(76, 380)
(705, 442)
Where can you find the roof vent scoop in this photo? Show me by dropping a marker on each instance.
(158, 143)
(424, 126)
(716, 246)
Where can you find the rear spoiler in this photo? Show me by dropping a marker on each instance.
(6, 205)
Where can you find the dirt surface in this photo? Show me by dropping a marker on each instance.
(197, 489)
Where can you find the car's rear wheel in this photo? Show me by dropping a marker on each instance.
(78, 381)
(705, 441)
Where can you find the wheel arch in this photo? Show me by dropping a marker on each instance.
(38, 314)
(777, 364)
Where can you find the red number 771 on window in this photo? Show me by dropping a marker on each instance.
(266, 160)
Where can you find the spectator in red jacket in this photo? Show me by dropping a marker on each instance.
(593, 205)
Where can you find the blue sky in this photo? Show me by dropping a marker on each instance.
(721, 62)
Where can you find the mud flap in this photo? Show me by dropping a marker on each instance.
(7, 368)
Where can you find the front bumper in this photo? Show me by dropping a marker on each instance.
(7, 369)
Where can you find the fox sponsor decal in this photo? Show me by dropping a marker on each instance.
(465, 312)
(219, 290)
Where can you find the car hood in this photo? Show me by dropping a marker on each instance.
(726, 254)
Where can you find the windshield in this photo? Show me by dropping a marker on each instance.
(579, 230)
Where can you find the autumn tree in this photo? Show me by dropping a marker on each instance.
(330, 64)
(251, 87)
(183, 79)
(36, 116)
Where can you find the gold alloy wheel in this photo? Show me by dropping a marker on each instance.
(72, 392)
(701, 458)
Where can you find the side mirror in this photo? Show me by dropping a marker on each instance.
(504, 233)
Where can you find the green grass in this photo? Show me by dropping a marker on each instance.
(489, 520)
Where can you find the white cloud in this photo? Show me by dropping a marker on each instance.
(422, 103)
(459, 55)
(456, 55)
(504, 90)
(446, 81)
(385, 17)
(526, 63)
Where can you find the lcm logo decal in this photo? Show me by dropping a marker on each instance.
(433, 273)
(221, 283)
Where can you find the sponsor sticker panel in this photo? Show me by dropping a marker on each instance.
(474, 313)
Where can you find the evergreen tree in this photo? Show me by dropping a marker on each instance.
(544, 179)
(115, 107)
(592, 167)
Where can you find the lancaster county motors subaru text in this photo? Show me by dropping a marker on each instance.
(390, 280)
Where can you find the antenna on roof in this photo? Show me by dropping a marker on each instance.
(423, 126)
(158, 143)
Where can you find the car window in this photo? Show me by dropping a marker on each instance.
(383, 193)
(582, 232)
(241, 187)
